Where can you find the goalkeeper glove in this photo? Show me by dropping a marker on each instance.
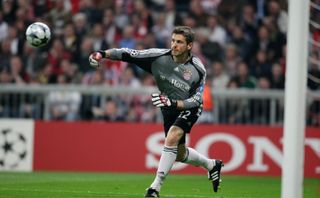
(160, 100)
(95, 57)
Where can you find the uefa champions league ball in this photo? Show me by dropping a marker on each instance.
(38, 34)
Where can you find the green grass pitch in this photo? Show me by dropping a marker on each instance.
(91, 185)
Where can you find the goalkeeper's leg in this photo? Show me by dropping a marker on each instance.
(168, 157)
(190, 156)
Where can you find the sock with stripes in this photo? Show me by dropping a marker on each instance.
(167, 159)
(195, 158)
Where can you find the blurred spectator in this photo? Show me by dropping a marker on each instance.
(32, 59)
(17, 71)
(243, 78)
(40, 7)
(111, 31)
(99, 41)
(243, 44)
(9, 11)
(128, 38)
(46, 75)
(260, 108)
(260, 8)
(188, 20)
(70, 71)
(149, 41)
(144, 111)
(56, 54)
(248, 22)
(71, 40)
(5, 54)
(81, 26)
(260, 67)
(161, 31)
(86, 48)
(197, 12)
(231, 59)
(196, 50)
(211, 50)
(283, 58)
(113, 70)
(25, 12)
(64, 105)
(128, 79)
(92, 101)
(121, 17)
(3, 27)
(279, 15)
(141, 19)
(58, 15)
(92, 12)
(263, 42)
(210, 6)
(10, 105)
(109, 112)
(217, 32)
(172, 16)
(277, 39)
(277, 78)
(5, 76)
(220, 78)
(235, 110)
(16, 42)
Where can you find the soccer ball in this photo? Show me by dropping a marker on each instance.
(38, 34)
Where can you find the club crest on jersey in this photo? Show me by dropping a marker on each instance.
(187, 74)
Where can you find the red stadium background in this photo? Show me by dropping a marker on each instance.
(123, 147)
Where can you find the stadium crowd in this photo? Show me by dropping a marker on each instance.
(242, 44)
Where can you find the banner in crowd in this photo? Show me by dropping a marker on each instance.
(125, 147)
(16, 145)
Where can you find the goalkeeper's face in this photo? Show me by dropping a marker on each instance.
(179, 46)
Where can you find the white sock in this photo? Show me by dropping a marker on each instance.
(195, 158)
(168, 157)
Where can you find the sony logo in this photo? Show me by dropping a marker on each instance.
(250, 153)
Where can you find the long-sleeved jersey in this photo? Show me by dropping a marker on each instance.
(180, 81)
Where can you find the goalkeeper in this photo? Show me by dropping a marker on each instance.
(180, 77)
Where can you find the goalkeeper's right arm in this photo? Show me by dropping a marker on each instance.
(113, 54)
(141, 58)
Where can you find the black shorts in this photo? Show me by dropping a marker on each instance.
(184, 119)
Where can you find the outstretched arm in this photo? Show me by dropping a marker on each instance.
(141, 58)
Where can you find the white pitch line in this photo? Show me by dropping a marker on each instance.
(102, 194)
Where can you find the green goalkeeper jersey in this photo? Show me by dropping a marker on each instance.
(180, 81)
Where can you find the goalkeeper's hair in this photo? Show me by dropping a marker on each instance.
(186, 31)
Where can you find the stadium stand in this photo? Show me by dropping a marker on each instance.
(243, 46)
